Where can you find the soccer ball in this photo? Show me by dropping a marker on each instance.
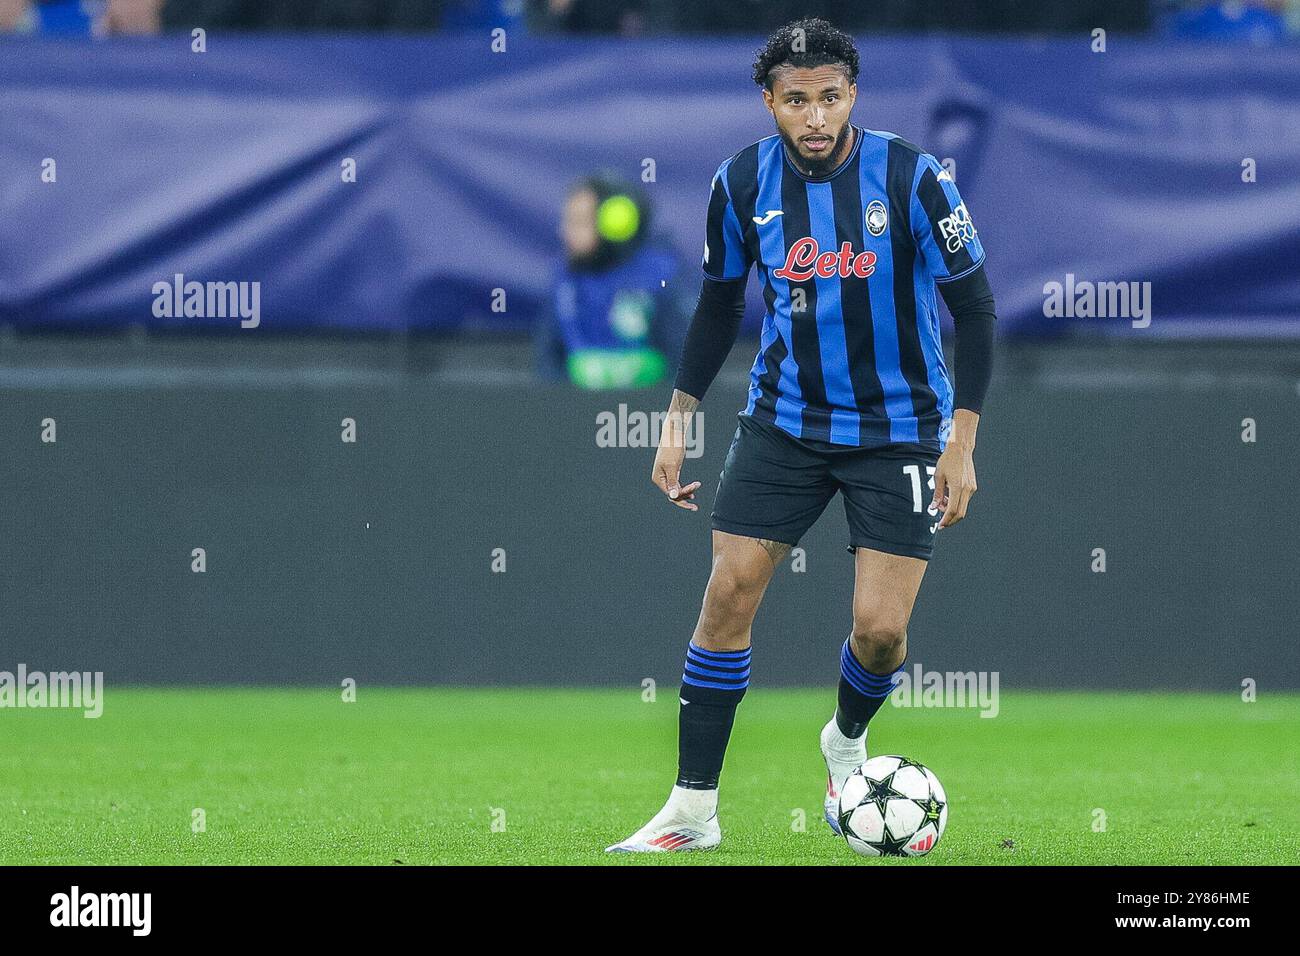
(892, 806)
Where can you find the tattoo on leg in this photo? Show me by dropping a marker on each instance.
(776, 550)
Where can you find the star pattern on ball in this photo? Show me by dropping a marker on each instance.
(880, 792)
(888, 846)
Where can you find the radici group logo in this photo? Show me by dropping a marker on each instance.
(957, 230)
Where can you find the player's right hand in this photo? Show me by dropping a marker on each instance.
(666, 474)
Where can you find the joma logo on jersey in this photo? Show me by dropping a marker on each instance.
(957, 230)
(805, 260)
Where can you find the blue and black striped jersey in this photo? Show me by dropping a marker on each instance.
(850, 351)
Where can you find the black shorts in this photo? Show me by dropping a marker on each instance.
(774, 486)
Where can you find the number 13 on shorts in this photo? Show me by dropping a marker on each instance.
(914, 473)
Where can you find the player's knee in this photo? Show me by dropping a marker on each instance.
(729, 606)
(733, 590)
(878, 636)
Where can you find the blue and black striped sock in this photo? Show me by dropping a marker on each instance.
(712, 685)
(861, 693)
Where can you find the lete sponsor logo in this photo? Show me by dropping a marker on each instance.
(805, 260)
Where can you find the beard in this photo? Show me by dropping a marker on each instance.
(819, 166)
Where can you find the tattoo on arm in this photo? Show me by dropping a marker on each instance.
(776, 550)
(682, 403)
(680, 417)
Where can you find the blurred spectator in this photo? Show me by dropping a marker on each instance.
(758, 17)
(619, 17)
(614, 316)
(1259, 22)
(480, 14)
(80, 17)
(322, 15)
(133, 16)
(15, 15)
(51, 17)
(626, 17)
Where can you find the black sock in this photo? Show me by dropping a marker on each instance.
(861, 693)
(712, 685)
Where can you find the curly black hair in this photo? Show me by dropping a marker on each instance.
(808, 42)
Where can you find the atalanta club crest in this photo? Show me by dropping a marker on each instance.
(876, 217)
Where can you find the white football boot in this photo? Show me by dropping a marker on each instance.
(843, 755)
(688, 821)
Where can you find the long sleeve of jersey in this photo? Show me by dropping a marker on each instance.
(712, 333)
(970, 300)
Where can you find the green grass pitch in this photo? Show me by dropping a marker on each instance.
(502, 776)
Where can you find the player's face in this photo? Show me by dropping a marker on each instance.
(578, 224)
(811, 106)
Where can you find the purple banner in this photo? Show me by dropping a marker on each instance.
(389, 183)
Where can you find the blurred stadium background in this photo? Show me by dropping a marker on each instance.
(394, 176)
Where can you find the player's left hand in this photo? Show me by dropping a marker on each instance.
(954, 483)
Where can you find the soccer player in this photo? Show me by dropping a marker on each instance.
(851, 231)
